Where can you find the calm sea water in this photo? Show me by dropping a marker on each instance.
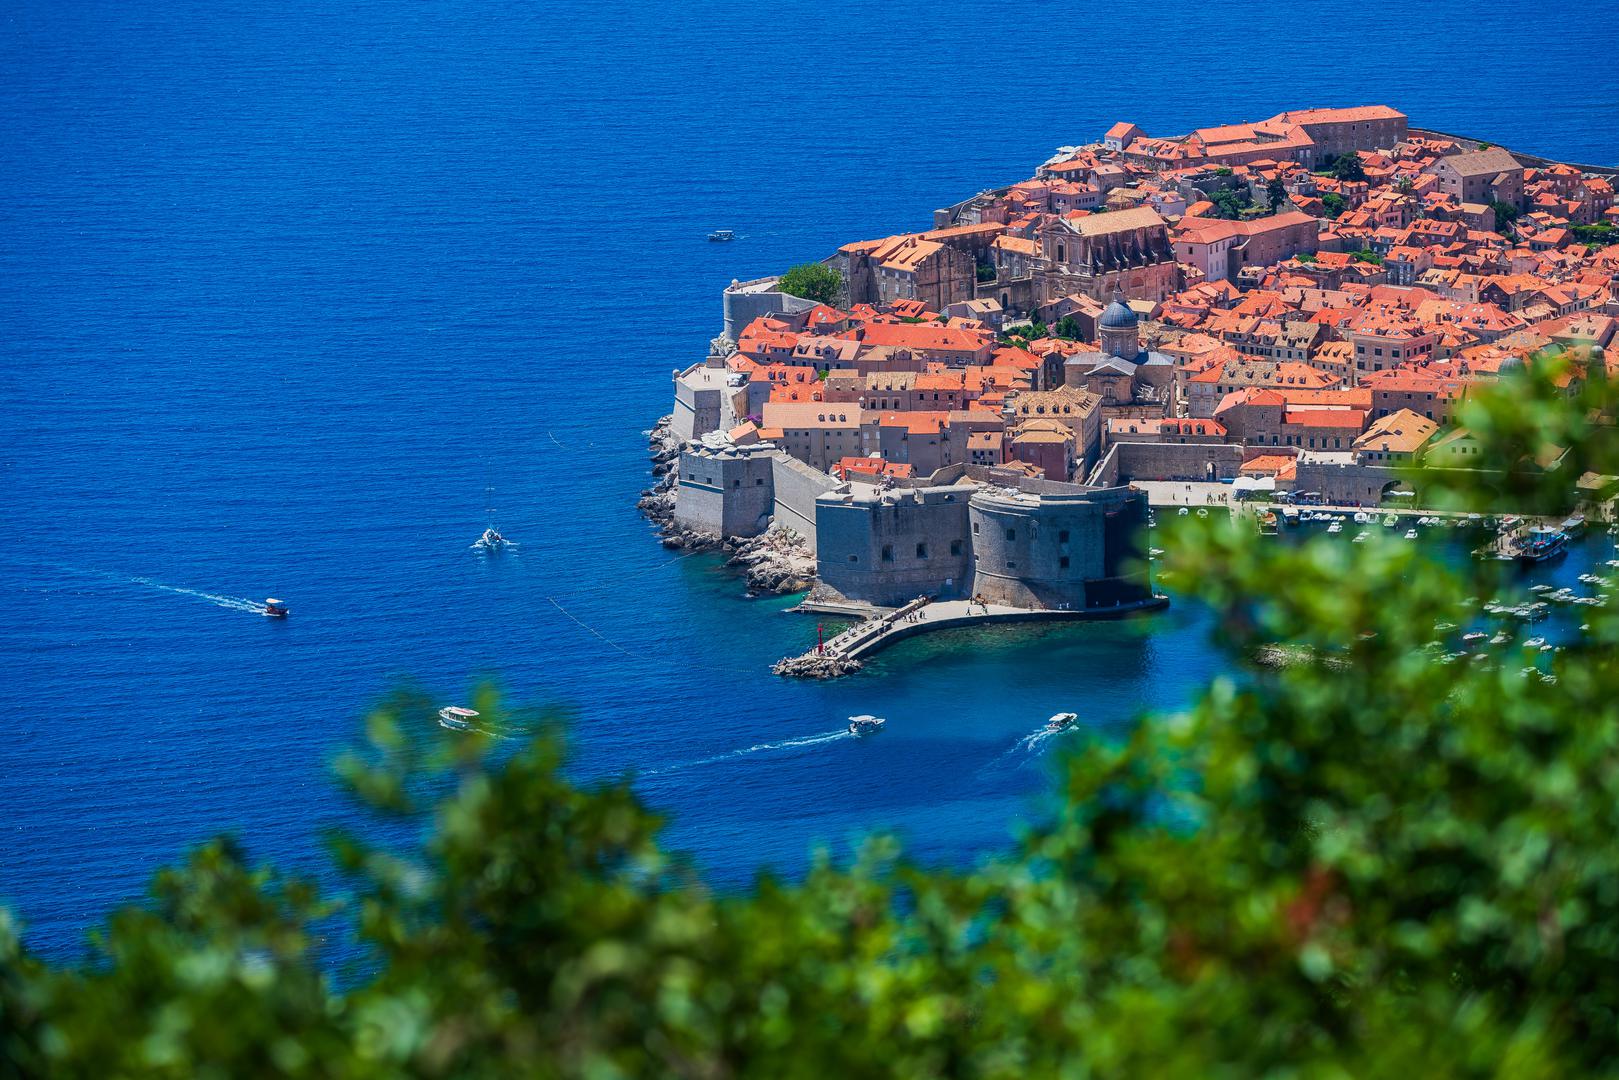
(284, 287)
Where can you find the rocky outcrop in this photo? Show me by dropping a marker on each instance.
(815, 666)
(777, 562)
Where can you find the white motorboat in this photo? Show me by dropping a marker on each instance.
(1183, 511)
(1336, 527)
(1389, 521)
(865, 724)
(1410, 534)
(1202, 512)
(1362, 517)
(456, 718)
(1500, 638)
(491, 540)
(275, 609)
(1360, 538)
(1473, 637)
(1062, 721)
(1534, 643)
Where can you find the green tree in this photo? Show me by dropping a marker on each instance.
(1348, 167)
(813, 281)
(1231, 202)
(1334, 204)
(1068, 328)
(1275, 194)
(1359, 862)
(1506, 214)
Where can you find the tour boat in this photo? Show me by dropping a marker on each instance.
(1062, 721)
(456, 718)
(491, 540)
(721, 235)
(1543, 545)
(276, 609)
(1267, 523)
(865, 724)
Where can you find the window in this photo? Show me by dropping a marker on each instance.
(955, 547)
(1010, 565)
(759, 482)
(1062, 537)
(975, 528)
(1011, 534)
(737, 482)
(1063, 562)
(888, 553)
(921, 551)
(854, 558)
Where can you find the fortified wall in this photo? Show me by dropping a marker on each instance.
(888, 545)
(1127, 461)
(726, 490)
(1074, 549)
(797, 486)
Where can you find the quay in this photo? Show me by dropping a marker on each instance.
(843, 653)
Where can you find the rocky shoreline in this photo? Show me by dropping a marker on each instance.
(775, 563)
(812, 666)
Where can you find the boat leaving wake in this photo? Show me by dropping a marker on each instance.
(785, 744)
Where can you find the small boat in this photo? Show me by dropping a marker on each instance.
(275, 609)
(1444, 627)
(1410, 534)
(1362, 517)
(865, 724)
(1541, 588)
(720, 236)
(1360, 537)
(1389, 521)
(456, 718)
(1336, 527)
(1500, 638)
(1183, 511)
(1473, 637)
(1267, 523)
(1202, 512)
(1062, 721)
(1534, 643)
(491, 540)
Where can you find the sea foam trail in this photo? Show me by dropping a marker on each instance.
(758, 748)
(231, 603)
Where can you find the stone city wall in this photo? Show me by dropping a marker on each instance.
(797, 486)
(889, 547)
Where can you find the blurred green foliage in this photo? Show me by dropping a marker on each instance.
(1365, 862)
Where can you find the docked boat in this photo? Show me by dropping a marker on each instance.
(1534, 643)
(456, 718)
(1473, 637)
(1360, 537)
(865, 724)
(1389, 521)
(1543, 545)
(1202, 512)
(720, 236)
(1336, 527)
(1573, 526)
(275, 609)
(1062, 721)
(1410, 534)
(1183, 511)
(1267, 523)
(1362, 517)
(1500, 638)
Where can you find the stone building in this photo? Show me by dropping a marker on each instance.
(1222, 249)
(888, 545)
(908, 267)
(1101, 253)
(1482, 176)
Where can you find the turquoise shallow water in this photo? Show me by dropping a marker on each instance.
(284, 287)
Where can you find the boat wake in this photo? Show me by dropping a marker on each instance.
(230, 603)
(758, 748)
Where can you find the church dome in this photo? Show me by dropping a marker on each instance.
(1117, 317)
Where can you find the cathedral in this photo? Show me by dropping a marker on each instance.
(1120, 371)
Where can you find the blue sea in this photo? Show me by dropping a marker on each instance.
(286, 288)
